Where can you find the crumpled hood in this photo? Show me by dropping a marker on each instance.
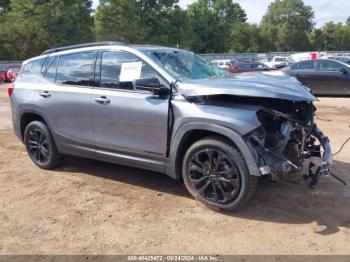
(249, 84)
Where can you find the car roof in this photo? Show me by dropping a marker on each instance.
(98, 45)
(153, 47)
(118, 46)
(333, 60)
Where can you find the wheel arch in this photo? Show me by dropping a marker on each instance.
(191, 132)
(28, 117)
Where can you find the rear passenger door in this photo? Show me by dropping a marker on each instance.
(306, 73)
(130, 125)
(65, 100)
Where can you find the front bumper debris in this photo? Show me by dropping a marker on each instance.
(324, 168)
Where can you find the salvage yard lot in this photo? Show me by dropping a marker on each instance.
(90, 207)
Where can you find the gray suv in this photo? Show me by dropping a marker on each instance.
(170, 111)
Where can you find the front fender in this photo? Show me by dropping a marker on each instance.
(171, 169)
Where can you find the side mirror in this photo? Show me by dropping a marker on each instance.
(149, 84)
(344, 70)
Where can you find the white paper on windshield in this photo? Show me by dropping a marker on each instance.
(130, 71)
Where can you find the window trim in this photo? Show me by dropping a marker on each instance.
(47, 68)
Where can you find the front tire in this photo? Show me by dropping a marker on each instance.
(215, 173)
(40, 145)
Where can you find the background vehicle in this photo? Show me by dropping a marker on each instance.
(277, 62)
(261, 58)
(247, 67)
(340, 57)
(223, 63)
(5, 66)
(322, 76)
(166, 110)
(12, 74)
(303, 56)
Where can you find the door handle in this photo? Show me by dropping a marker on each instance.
(102, 100)
(45, 94)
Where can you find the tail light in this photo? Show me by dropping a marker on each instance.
(10, 90)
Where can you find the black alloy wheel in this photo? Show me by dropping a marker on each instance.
(214, 176)
(40, 145)
(215, 173)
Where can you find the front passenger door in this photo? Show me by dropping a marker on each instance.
(333, 79)
(128, 124)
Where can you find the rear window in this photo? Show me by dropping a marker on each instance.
(76, 69)
(280, 59)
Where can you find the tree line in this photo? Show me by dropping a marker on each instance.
(27, 27)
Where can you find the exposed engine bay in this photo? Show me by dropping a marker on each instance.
(287, 138)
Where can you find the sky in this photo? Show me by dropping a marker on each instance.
(325, 10)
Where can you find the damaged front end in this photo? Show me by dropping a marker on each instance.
(288, 139)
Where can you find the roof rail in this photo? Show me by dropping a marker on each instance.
(59, 49)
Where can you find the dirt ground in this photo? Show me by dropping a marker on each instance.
(90, 207)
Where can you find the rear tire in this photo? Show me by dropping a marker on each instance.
(40, 145)
(216, 173)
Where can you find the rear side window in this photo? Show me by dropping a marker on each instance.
(305, 65)
(76, 69)
(32, 67)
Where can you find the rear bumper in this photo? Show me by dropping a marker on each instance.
(16, 123)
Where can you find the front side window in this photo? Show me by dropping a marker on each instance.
(76, 69)
(119, 69)
(330, 66)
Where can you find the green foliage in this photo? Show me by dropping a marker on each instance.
(141, 21)
(119, 20)
(247, 38)
(211, 22)
(32, 26)
(286, 25)
(27, 27)
(332, 36)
